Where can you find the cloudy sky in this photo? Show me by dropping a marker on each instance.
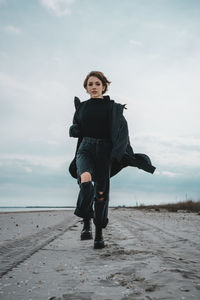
(149, 49)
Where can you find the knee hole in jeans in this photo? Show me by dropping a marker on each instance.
(85, 177)
(100, 199)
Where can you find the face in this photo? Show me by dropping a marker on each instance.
(95, 87)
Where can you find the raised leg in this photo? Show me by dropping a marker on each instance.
(84, 206)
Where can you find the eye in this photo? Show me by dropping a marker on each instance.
(97, 83)
(90, 83)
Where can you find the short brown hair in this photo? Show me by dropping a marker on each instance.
(100, 76)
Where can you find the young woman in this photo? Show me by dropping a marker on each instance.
(103, 149)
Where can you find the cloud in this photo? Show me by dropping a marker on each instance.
(10, 82)
(135, 42)
(12, 29)
(2, 1)
(34, 180)
(167, 173)
(3, 55)
(58, 7)
(172, 151)
(12, 165)
(24, 96)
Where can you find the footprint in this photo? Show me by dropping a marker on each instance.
(151, 288)
(125, 278)
(74, 296)
(73, 228)
(184, 273)
(121, 252)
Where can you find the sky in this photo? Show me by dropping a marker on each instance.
(148, 49)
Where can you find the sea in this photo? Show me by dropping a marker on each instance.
(33, 208)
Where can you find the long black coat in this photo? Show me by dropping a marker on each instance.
(122, 154)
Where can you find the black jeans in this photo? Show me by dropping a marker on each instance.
(93, 156)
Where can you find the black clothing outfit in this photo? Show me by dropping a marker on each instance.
(90, 157)
(94, 156)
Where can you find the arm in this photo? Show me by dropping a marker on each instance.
(121, 140)
(74, 130)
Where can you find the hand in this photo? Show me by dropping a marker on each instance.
(74, 131)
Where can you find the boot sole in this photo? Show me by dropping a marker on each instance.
(99, 245)
(86, 236)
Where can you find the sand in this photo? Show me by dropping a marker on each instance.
(148, 255)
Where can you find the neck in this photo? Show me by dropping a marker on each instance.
(97, 97)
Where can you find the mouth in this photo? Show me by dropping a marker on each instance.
(94, 92)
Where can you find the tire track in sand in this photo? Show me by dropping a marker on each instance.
(178, 254)
(13, 253)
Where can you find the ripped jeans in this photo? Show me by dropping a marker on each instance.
(93, 156)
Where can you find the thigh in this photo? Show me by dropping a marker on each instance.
(84, 159)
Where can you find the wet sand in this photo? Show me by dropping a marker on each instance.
(148, 255)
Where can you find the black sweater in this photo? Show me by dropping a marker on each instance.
(94, 118)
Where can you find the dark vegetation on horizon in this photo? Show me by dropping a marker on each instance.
(189, 206)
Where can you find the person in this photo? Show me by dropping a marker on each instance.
(103, 149)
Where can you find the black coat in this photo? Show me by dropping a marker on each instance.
(122, 154)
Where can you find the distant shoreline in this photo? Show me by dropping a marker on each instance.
(37, 206)
(30, 209)
(34, 209)
(187, 206)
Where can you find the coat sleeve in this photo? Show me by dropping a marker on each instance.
(121, 141)
(75, 130)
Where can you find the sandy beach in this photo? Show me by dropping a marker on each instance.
(148, 255)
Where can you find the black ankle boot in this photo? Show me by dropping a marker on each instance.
(98, 241)
(86, 233)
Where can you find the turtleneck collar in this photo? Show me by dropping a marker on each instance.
(103, 98)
